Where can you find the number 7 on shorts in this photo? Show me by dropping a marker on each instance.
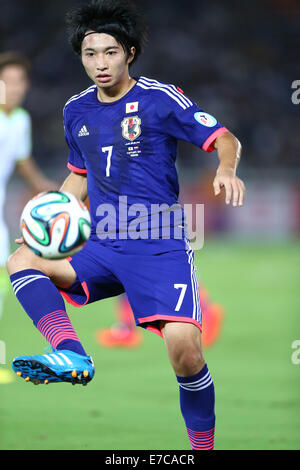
(181, 296)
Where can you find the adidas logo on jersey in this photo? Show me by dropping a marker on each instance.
(83, 132)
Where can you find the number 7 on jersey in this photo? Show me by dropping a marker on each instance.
(109, 155)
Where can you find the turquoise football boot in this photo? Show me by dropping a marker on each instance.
(58, 366)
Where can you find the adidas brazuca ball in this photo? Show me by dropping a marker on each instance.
(55, 224)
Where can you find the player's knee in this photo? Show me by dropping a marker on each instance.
(188, 361)
(21, 259)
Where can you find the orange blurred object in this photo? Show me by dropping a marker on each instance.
(119, 336)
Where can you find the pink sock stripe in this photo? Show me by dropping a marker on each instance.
(52, 319)
(202, 448)
(201, 440)
(201, 433)
(207, 439)
(201, 437)
(56, 327)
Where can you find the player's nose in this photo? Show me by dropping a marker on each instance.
(101, 68)
(101, 64)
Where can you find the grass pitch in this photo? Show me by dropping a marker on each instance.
(132, 403)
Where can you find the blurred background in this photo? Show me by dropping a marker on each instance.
(237, 60)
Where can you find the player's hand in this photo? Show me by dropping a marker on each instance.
(20, 241)
(233, 186)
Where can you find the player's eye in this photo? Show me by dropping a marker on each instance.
(111, 52)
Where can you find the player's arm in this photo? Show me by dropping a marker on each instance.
(33, 176)
(229, 153)
(183, 119)
(76, 183)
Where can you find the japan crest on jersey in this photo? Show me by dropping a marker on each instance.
(131, 127)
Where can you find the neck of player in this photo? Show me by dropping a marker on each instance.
(117, 91)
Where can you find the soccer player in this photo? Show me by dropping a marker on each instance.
(122, 133)
(15, 143)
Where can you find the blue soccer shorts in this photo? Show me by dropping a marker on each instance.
(160, 286)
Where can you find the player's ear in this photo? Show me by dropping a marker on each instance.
(131, 56)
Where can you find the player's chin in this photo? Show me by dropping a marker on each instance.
(104, 86)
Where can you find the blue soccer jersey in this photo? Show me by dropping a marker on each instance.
(128, 149)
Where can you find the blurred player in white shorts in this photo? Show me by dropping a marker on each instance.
(15, 143)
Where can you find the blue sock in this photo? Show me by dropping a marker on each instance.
(44, 304)
(197, 400)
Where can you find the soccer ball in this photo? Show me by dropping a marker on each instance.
(55, 224)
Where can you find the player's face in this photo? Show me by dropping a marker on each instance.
(105, 60)
(16, 85)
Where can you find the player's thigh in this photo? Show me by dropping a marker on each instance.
(61, 273)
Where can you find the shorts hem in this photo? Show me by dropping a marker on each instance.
(146, 322)
(73, 302)
(68, 297)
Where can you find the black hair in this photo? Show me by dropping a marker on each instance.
(118, 18)
(14, 58)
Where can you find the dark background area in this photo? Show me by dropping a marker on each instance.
(236, 59)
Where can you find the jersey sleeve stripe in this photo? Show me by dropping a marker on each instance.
(78, 95)
(83, 93)
(182, 95)
(147, 87)
(77, 170)
(188, 103)
(172, 88)
(207, 146)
